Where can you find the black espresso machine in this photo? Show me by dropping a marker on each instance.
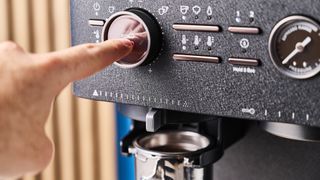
(216, 89)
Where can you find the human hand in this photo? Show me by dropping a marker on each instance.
(134, 31)
(29, 84)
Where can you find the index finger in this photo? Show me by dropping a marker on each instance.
(78, 62)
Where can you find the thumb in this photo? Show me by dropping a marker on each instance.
(78, 62)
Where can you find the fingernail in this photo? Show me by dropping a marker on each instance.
(127, 42)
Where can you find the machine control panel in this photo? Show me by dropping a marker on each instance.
(251, 59)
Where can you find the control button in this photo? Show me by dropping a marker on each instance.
(244, 61)
(196, 58)
(244, 30)
(140, 27)
(196, 27)
(96, 22)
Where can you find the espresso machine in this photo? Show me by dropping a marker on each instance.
(216, 89)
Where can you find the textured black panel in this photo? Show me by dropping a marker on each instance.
(201, 87)
(261, 156)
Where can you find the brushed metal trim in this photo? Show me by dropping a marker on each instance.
(244, 30)
(292, 131)
(196, 58)
(96, 22)
(244, 61)
(196, 27)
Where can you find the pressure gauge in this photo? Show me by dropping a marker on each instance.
(294, 47)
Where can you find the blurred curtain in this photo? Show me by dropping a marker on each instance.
(83, 131)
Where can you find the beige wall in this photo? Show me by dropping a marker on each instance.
(82, 130)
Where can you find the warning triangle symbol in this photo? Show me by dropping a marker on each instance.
(95, 93)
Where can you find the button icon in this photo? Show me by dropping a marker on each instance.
(238, 17)
(184, 9)
(97, 34)
(196, 10)
(184, 39)
(248, 111)
(251, 14)
(244, 43)
(96, 6)
(210, 41)
(209, 11)
(197, 40)
(163, 10)
(111, 9)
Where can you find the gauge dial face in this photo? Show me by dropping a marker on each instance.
(294, 47)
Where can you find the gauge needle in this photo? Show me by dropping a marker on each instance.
(299, 48)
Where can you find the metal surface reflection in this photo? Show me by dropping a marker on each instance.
(130, 26)
(173, 155)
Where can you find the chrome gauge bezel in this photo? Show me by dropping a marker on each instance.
(276, 32)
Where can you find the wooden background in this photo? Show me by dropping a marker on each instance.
(83, 131)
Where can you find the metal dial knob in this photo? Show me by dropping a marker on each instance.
(140, 27)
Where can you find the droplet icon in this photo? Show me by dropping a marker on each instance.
(209, 11)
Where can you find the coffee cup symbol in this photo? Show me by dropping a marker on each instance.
(111, 9)
(184, 10)
(163, 10)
